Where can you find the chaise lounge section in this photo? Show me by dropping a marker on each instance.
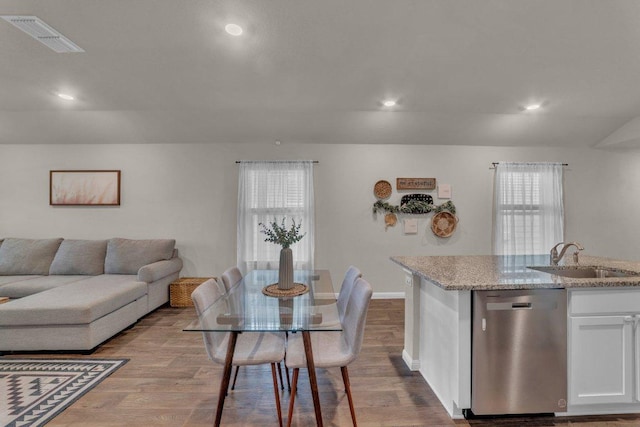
(73, 295)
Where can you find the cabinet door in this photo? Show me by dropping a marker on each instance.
(601, 361)
(636, 333)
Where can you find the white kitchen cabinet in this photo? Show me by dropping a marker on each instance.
(602, 360)
(637, 358)
(604, 346)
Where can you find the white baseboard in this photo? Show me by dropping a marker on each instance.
(376, 295)
(414, 365)
(388, 295)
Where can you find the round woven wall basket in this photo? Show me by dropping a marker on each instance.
(443, 224)
(382, 189)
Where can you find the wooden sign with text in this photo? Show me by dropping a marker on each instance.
(415, 183)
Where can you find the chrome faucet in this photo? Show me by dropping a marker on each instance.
(555, 258)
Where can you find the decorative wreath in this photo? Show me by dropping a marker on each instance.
(413, 207)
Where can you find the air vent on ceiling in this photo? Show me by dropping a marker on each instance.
(42, 32)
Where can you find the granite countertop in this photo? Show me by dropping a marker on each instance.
(487, 272)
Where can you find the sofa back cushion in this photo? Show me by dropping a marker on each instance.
(125, 256)
(27, 256)
(84, 257)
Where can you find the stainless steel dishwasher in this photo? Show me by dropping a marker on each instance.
(519, 352)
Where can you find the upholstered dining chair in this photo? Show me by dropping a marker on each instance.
(329, 314)
(333, 349)
(230, 277)
(350, 277)
(254, 348)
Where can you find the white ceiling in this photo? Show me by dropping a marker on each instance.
(316, 71)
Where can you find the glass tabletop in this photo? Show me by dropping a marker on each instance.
(246, 308)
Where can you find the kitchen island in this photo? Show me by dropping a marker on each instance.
(603, 348)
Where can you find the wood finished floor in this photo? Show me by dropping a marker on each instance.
(170, 382)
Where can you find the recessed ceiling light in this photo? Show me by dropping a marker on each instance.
(233, 29)
(389, 103)
(66, 97)
(532, 107)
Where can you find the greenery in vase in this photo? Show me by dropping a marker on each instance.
(278, 233)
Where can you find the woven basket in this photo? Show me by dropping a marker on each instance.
(181, 289)
(382, 189)
(443, 224)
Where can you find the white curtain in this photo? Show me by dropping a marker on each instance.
(270, 191)
(528, 208)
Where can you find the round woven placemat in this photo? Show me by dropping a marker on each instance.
(297, 289)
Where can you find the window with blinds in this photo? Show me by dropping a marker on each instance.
(528, 209)
(268, 192)
(274, 195)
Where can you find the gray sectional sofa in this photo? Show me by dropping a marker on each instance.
(75, 294)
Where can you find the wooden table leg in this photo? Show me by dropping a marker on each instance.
(313, 382)
(226, 375)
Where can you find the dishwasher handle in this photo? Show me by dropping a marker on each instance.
(540, 305)
(521, 305)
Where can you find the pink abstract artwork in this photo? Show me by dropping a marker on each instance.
(84, 187)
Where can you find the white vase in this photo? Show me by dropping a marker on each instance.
(285, 274)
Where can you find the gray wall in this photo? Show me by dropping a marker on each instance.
(188, 192)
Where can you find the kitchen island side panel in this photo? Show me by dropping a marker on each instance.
(445, 345)
(411, 320)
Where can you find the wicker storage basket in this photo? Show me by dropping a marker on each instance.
(180, 290)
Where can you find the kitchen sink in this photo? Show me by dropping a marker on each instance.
(586, 272)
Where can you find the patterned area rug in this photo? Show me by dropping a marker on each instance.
(34, 391)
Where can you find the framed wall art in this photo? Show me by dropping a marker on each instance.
(415, 183)
(84, 188)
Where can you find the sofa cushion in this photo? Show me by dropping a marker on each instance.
(158, 270)
(125, 256)
(27, 256)
(84, 257)
(12, 279)
(80, 302)
(23, 288)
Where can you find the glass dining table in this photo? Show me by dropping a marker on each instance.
(248, 309)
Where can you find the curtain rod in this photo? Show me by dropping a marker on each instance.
(276, 161)
(525, 163)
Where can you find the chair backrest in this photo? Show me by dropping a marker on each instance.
(206, 294)
(350, 277)
(230, 277)
(203, 297)
(355, 316)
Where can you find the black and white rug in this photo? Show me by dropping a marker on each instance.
(33, 391)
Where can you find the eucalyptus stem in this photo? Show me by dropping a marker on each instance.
(278, 233)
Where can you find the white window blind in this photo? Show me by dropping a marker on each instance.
(528, 208)
(271, 191)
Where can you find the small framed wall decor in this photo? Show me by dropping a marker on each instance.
(84, 188)
(411, 226)
(415, 183)
(444, 191)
